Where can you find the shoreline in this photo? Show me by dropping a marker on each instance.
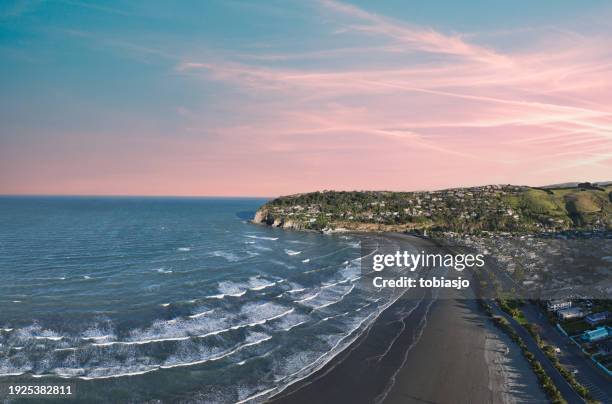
(422, 348)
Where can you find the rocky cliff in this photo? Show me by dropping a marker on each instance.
(265, 216)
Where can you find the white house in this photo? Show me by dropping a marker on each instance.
(559, 304)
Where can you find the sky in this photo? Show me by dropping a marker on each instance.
(239, 98)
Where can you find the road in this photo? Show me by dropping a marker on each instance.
(566, 390)
(571, 356)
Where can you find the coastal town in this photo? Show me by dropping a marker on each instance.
(546, 266)
(508, 208)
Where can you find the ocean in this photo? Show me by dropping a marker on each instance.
(135, 299)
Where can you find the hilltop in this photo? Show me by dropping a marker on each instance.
(508, 208)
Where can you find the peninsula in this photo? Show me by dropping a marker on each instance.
(494, 208)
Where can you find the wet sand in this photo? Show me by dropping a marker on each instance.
(424, 349)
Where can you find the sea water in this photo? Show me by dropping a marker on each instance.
(171, 298)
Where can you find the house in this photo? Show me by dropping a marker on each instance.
(597, 318)
(570, 313)
(559, 304)
(597, 334)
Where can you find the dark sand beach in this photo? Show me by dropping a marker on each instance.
(428, 347)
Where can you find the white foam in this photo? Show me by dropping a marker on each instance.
(257, 283)
(218, 357)
(66, 349)
(222, 295)
(229, 288)
(246, 311)
(165, 304)
(324, 358)
(96, 338)
(184, 249)
(335, 301)
(11, 374)
(307, 298)
(204, 313)
(237, 289)
(141, 372)
(50, 338)
(251, 324)
(141, 342)
(254, 396)
(295, 325)
(267, 285)
(263, 238)
(292, 252)
(329, 285)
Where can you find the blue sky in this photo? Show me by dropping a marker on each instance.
(122, 97)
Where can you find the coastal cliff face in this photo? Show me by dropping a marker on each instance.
(492, 208)
(264, 216)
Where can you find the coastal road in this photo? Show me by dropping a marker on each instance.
(572, 357)
(566, 390)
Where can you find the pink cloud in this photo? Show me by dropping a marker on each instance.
(425, 110)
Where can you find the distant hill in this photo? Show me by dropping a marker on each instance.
(577, 184)
(509, 208)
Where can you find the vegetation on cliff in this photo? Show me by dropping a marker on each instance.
(487, 208)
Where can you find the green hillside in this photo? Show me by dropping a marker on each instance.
(488, 208)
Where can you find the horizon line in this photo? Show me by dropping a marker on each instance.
(295, 193)
(134, 196)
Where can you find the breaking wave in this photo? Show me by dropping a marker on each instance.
(262, 237)
(292, 252)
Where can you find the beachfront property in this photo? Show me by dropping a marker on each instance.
(570, 313)
(597, 334)
(559, 304)
(597, 318)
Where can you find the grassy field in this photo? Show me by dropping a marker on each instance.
(582, 206)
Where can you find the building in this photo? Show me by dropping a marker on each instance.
(597, 318)
(570, 313)
(559, 304)
(597, 334)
